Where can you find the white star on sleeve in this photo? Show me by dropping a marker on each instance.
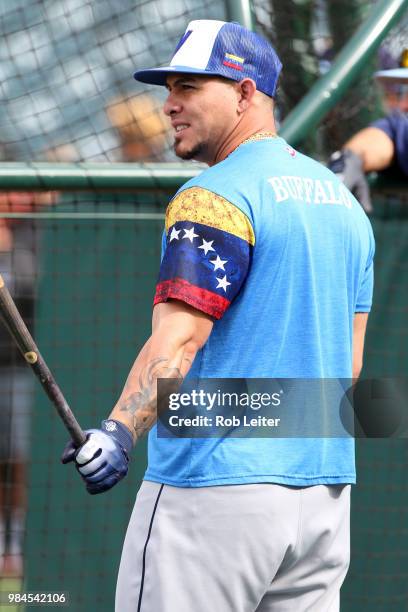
(174, 234)
(207, 246)
(189, 233)
(222, 283)
(219, 263)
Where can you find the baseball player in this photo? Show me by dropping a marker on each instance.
(384, 144)
(266, 271)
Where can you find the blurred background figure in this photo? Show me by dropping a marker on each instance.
(395, 93)
(18, 267)
(63, 153)
(142, 127)
(383, 145)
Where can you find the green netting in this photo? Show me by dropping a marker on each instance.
(94, 314)
(378, 578)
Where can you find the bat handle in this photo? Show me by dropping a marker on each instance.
(56, 396)
(50, 386)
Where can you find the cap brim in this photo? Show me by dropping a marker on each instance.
(158, 76)
(396, 75)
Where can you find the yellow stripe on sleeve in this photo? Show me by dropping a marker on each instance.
(199, 205)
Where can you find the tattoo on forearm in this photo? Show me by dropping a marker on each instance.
(142, 405)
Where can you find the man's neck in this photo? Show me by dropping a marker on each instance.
(242, 131)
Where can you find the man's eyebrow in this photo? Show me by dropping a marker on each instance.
(181, 80)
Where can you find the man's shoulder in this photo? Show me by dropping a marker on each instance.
(393, 123)
(205, 180)
(212, 184)
(211, 199)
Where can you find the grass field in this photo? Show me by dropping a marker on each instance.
(9, 585)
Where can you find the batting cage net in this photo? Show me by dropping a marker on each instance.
(308, 35)
(67, 87)
(82, 267)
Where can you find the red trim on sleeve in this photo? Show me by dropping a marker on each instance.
(202, 299)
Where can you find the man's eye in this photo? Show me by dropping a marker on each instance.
(186, 86)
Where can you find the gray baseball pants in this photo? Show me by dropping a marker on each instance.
(237, 548)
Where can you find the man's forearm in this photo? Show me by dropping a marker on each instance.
(179, 331)
(137, 405)
(375, 148)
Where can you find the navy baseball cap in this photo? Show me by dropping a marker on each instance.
(396, 75)
(393, 74)
(218, 48)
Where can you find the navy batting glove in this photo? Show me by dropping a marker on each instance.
(103, 459)
(349, 168)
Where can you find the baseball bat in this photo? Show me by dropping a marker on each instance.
(32, 356)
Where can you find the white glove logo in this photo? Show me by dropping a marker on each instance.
(110, 426)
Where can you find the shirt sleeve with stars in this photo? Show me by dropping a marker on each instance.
(208, 249)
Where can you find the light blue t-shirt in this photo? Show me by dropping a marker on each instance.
(281, 254)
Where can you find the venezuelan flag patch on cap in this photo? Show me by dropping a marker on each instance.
(233, 61)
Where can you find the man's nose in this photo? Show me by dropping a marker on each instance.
(171, 105)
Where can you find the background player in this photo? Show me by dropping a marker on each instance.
(266, 272)
(384, 144)
(19, 242)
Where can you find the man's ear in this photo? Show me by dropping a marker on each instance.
(246, 90)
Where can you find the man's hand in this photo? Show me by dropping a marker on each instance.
(103, 460)
(349, 168)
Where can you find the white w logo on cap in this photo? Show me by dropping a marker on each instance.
(195, 49)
